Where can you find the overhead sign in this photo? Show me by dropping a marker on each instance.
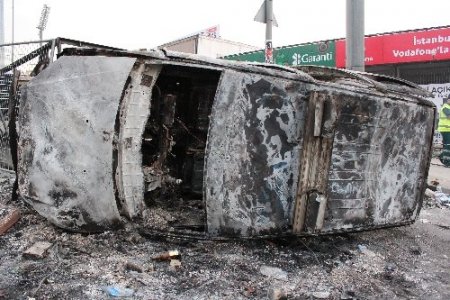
(411, 46)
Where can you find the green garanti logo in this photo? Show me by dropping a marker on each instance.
(311, 59)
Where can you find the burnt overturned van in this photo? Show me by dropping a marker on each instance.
(181, 143)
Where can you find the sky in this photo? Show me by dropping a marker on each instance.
(137, 24)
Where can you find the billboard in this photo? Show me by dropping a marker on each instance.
(319, 54)
(393, 48)
(402, 47)
(439, 91)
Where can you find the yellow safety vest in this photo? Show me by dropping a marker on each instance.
(444, 121)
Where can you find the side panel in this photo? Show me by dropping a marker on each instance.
(65, 148)
(254, 144)
(379, 162)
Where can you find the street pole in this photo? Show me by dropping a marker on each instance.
(265, 15)
(269, 21)
(2, 33)
(12, 33)
(354, 49)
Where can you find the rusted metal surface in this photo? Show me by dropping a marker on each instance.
(376, 172)
(252, 155)
(67, 117)
(230, 149)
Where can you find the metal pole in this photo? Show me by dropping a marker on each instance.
(2, 33)
(269, 20)
(355, 35)
(26, 42)
(12, 33)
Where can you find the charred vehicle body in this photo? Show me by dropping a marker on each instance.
(221, 148)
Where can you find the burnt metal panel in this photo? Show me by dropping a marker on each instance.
(65, 147)
(252, 156)
(284, 152)
(134, 112)
(377, 168)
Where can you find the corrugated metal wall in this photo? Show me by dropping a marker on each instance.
(419, 73)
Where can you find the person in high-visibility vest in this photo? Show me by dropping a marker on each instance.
(444, 129)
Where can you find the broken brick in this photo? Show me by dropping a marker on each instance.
(169, 255)
(8, 217)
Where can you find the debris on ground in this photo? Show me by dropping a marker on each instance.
(37, 250)
(175, 264)
(348, 294)
(442, 198)
(277, 294)
(133, 267)
(169, 255)
(8, 217)
(321, 295)
(410, 262)
(363, 249)
(249, 291)
(415, 250)
(275, 273)
(116, 291)
(435, 197)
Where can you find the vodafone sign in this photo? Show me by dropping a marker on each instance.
(412, 46)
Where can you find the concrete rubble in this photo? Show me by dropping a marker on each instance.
(37, 250)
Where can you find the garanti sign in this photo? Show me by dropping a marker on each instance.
(403, 47)
(320, 54)
(394, 48)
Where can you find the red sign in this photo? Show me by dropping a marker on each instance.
(412, 46)
(213, 32)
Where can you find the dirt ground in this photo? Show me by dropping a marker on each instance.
(399, 263)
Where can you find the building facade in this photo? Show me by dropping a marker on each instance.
(207, 45)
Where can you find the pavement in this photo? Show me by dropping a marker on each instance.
(441, 174)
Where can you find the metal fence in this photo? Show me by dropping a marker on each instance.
(26, 59)
(5, 155)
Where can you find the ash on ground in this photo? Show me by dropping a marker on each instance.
(399, 263)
